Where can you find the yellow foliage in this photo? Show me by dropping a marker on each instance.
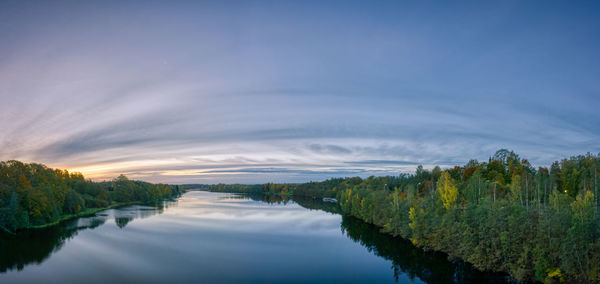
(553, 275)
(412, 215)
(448, 190)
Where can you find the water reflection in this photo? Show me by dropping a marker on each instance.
(431, 267)
(270, 199)
(306, 202)
(204, 236)
(123, 221)
(35, 246)
(29, 247)
(407, 259)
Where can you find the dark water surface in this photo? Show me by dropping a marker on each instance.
(222, 238)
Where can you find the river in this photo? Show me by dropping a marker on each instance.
(205, 237)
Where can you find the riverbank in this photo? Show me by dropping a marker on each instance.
(314, 246)
(536, 224)
(33, 196)
(83, 213)
(315, 202)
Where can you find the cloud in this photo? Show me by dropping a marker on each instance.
(329, 149)
(293, 92)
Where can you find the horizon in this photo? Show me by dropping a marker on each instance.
(254, 92)
(327, 178)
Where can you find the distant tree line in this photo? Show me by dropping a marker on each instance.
(537, 224)
(34, 195)
(325, 188)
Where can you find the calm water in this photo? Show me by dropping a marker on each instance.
(222, 238)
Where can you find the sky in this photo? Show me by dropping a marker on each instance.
(293, 91)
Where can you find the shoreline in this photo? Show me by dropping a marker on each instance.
(84, 213)
(380, 230)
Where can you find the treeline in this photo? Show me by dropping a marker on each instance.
(34, 195)
(501, 215)
(537, 224)
(310, 189)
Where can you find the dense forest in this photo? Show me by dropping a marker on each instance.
(33, 195)
(537, 224)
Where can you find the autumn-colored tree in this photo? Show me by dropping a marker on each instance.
(447, 190)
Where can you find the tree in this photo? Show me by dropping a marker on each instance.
(516, 192)
(73, 203)
(448, 190)
(580, 236)
(8, 214)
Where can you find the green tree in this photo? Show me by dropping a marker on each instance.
(516, 192)
(73, 203)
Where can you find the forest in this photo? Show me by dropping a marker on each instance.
(33, 195)
(536, 224)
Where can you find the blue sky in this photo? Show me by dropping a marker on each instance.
(257, 91)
